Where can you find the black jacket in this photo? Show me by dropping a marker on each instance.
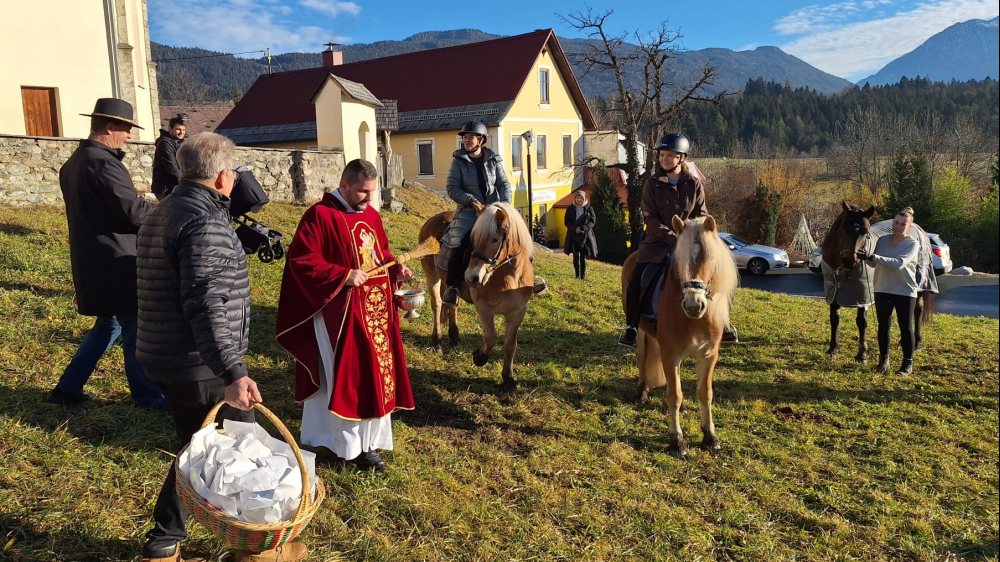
(166, 173)
(586, 239)
(194, 290)
(104, 212)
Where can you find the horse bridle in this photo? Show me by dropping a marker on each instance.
(495, 263)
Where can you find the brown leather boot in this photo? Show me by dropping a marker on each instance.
(288, 552)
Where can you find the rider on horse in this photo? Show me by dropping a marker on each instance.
(476, 179)
(672, 190)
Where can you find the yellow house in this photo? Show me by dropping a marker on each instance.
(62, 55)
(515, 85)
(345, 118)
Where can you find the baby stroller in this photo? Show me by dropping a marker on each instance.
(255, 236)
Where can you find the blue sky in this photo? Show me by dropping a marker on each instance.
(851, 39)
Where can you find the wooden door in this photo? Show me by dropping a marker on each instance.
(40, 115)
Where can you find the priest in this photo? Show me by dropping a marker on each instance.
(339, 322)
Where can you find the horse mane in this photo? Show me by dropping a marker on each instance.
(519, 235)
(698, 246)
(831, 234)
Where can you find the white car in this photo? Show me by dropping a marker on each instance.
(754, 258)
(940, 256)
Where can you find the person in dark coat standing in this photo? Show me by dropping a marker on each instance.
(580, 240)
(166, 174)
(104, 212)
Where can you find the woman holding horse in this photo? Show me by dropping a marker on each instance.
(580, 240)
(895, 260)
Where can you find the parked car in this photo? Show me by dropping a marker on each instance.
(940, 256)
(754, 258)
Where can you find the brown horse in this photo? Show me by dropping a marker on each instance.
(693, 311)
(845, 273)
(498, 281)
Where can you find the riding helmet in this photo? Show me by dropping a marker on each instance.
(474, 127)
(675, 142)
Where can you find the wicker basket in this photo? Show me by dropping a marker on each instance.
(244, 535)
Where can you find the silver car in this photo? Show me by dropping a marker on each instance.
(754, 258)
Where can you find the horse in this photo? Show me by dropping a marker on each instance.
(499, 281)
(693, 310)
(843, 270)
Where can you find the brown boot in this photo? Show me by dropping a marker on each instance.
(288, 552)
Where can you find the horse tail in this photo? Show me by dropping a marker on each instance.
(927, 311)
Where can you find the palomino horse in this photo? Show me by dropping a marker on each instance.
(847, 280)
(693, 311)
(498, 281)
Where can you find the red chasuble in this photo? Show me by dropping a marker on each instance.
(370, 378)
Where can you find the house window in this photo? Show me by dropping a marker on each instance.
(567, 151)
(425, 158)
(540, 144)
(543, 216)
(515, 152)
(543, 85)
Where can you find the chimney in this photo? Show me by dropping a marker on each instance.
(332, 58)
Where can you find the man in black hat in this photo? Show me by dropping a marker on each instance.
(166, 174)
(104, 212)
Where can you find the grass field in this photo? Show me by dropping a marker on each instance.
(823, 460)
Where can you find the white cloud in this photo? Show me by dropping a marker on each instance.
(235, 26)
(332, 7)
(854, 49)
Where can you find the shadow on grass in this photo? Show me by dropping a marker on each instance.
(40, 291)
(97, 423)
(28, 544)
(19, 229)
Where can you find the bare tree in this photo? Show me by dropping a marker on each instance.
(643, 111)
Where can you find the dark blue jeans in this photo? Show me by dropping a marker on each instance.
(95, 344)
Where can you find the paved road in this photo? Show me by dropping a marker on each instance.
(955, 298)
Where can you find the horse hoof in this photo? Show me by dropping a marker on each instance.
(454, 342)
(479, 358)
(711, 444)
(508, 385)
(642, 396)
(679, 452)
(859, 358)
(831, 351)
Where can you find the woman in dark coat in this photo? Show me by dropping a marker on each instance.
(580, 240)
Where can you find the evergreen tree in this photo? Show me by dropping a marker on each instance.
(611, 230)
(910, 185)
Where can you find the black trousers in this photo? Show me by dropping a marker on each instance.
(189, 402)
(580, 262)
(458, 261)
(885, 304)
(633, 296)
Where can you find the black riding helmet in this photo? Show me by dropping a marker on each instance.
(674, 142)
(474, 127)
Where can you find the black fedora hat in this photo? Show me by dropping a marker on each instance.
(114, 108)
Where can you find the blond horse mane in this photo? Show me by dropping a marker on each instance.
(519, 236)
(701, 254)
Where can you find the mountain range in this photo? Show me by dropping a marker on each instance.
(196, 73)
(964, 51)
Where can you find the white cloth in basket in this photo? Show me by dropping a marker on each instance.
(246, 472)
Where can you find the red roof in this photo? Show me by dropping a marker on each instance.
(475, 73)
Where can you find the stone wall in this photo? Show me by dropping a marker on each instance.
(29, 170)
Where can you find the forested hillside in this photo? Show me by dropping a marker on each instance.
(770, 118)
